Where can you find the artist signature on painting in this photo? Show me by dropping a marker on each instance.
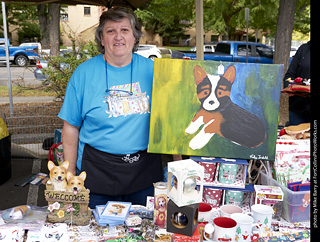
(259, 157)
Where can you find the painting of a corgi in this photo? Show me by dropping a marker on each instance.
(219, 115)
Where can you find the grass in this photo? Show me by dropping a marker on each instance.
(28, 91)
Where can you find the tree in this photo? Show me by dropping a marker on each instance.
(43, 22)
(54, 28)
(284, 31)
(168, 18)
(21, 18)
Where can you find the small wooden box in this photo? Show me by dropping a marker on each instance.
(189, 215)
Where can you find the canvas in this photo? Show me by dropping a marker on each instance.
(219, 109)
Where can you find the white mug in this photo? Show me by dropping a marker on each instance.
(205, 212)
(227, 210)
(262, 216)
(223, 228)
(244, 226)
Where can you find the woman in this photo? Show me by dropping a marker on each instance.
(299, 107)
(106, 115)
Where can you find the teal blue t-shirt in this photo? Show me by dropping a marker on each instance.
(110, 123)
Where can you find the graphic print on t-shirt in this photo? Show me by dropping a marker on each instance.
(120, 105)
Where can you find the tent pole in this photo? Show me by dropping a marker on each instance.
(7, 55)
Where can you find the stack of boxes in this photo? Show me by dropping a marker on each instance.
(185, 190)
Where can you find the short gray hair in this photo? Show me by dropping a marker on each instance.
(117, 14)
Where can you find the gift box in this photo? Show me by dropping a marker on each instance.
(263, 192)
(182, 220)
(238, 178)
(271, 196)
(195, 237)
(183, 188)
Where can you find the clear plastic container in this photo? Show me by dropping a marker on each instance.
(296, 205)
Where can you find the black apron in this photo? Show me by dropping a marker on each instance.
(116, 175)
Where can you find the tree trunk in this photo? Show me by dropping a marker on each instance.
(284, 31)
(43, 22)
(54, 29)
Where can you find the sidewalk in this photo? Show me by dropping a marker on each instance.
(4, 100)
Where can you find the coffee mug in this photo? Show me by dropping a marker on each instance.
(212, 196)
(227, 173)
(244, 226)
(222, 229)
(262, 216)
(205, 213)
(227, 210)
(234, 197)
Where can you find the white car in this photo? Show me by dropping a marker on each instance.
(32, 44)
(206, 48)
(149, 51)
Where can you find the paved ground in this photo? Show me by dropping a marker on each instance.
(12, 195)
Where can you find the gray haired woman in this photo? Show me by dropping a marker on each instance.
(106, 114)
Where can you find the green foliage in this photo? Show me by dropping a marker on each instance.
(168, 18)
(59, 75)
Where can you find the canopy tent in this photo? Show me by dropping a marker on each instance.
(108, 3)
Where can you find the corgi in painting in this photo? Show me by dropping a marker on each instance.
(76, 183)
(58, 175)
(219, 115)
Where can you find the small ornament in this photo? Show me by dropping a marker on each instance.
(180, 219)
(189, 184)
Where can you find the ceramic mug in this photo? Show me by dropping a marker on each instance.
(222, 229)
(244, 226)
(234, 197)
(212, 196)
(205, 213)
(227, 210)
(262, 216)
(227, 173)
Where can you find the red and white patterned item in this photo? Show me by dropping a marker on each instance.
(212, 196)
(209, 170)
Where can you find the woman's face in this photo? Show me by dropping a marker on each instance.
(118, 40)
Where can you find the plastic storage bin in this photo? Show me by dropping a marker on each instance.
(296, 205)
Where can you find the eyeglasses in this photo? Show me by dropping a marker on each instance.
(119, 93)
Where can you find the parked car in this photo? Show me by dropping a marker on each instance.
(42, 63)
(232, 51)
(206, 48)
(18, 55)
(37, 44)
(149, 51)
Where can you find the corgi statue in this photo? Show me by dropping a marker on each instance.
(58, 175)
(76, 183)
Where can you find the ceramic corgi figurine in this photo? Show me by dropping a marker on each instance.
(76, 183)
(58, 175)
(19, 212)
(219, 115)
